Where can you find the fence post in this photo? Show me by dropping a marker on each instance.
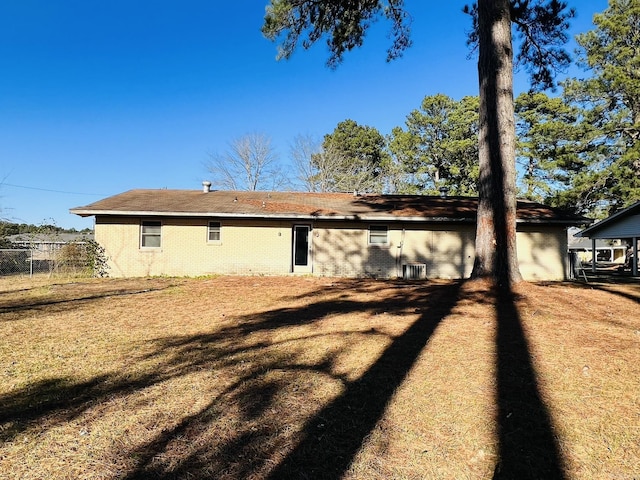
(30, 263)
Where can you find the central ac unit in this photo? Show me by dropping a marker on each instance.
(414, 271)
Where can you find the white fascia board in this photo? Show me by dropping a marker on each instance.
(536, 221)
(362, 218)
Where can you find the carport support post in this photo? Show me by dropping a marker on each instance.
(593, 255)
(634, 265)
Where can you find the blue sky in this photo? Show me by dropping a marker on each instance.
(97, 98)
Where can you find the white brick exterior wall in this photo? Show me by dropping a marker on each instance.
(264, 247)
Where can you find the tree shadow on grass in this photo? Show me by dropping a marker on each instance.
(262, 416)
(528, 447)
(22, 408)
(269, 403)
(327, 452)
(635, 296)
(70, 301)
(322, 439)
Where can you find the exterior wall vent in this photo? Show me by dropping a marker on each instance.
(414, 271)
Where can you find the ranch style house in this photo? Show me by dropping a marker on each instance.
(204, 232)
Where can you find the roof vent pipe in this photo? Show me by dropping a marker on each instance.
(443, 192)
(206, 186)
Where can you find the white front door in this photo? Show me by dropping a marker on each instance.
(302, 249)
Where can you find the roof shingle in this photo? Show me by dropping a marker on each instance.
(310, 205)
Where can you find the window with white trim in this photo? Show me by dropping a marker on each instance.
(151, 234)
(378, 235)
(214, 232)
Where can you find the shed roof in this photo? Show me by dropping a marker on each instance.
(306, 205)
(623, 224)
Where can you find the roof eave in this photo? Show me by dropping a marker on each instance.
(603, 223)
(293, 216)
(280, 216)
(539, 221)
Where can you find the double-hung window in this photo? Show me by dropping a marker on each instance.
(378, 235)
(151, 234)
(214, 232)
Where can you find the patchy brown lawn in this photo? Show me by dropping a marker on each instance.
(269, 378)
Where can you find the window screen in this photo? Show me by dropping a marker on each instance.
(151, 234)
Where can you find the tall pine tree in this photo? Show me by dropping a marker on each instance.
(439, 147)
(607, 177)
(541, 26)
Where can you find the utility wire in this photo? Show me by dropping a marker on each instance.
(53, 191)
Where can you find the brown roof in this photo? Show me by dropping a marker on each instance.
(308, 205)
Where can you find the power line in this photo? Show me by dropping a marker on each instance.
(49, 190)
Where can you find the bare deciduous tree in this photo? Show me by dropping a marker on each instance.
(251, 163)
(302, 150)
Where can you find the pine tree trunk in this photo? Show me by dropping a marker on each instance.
(496, 254)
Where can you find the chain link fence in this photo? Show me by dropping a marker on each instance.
(16, 262)
(75, 259)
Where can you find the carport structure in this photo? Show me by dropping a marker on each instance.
(620, 226)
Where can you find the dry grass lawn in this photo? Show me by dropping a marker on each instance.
(317, 378)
